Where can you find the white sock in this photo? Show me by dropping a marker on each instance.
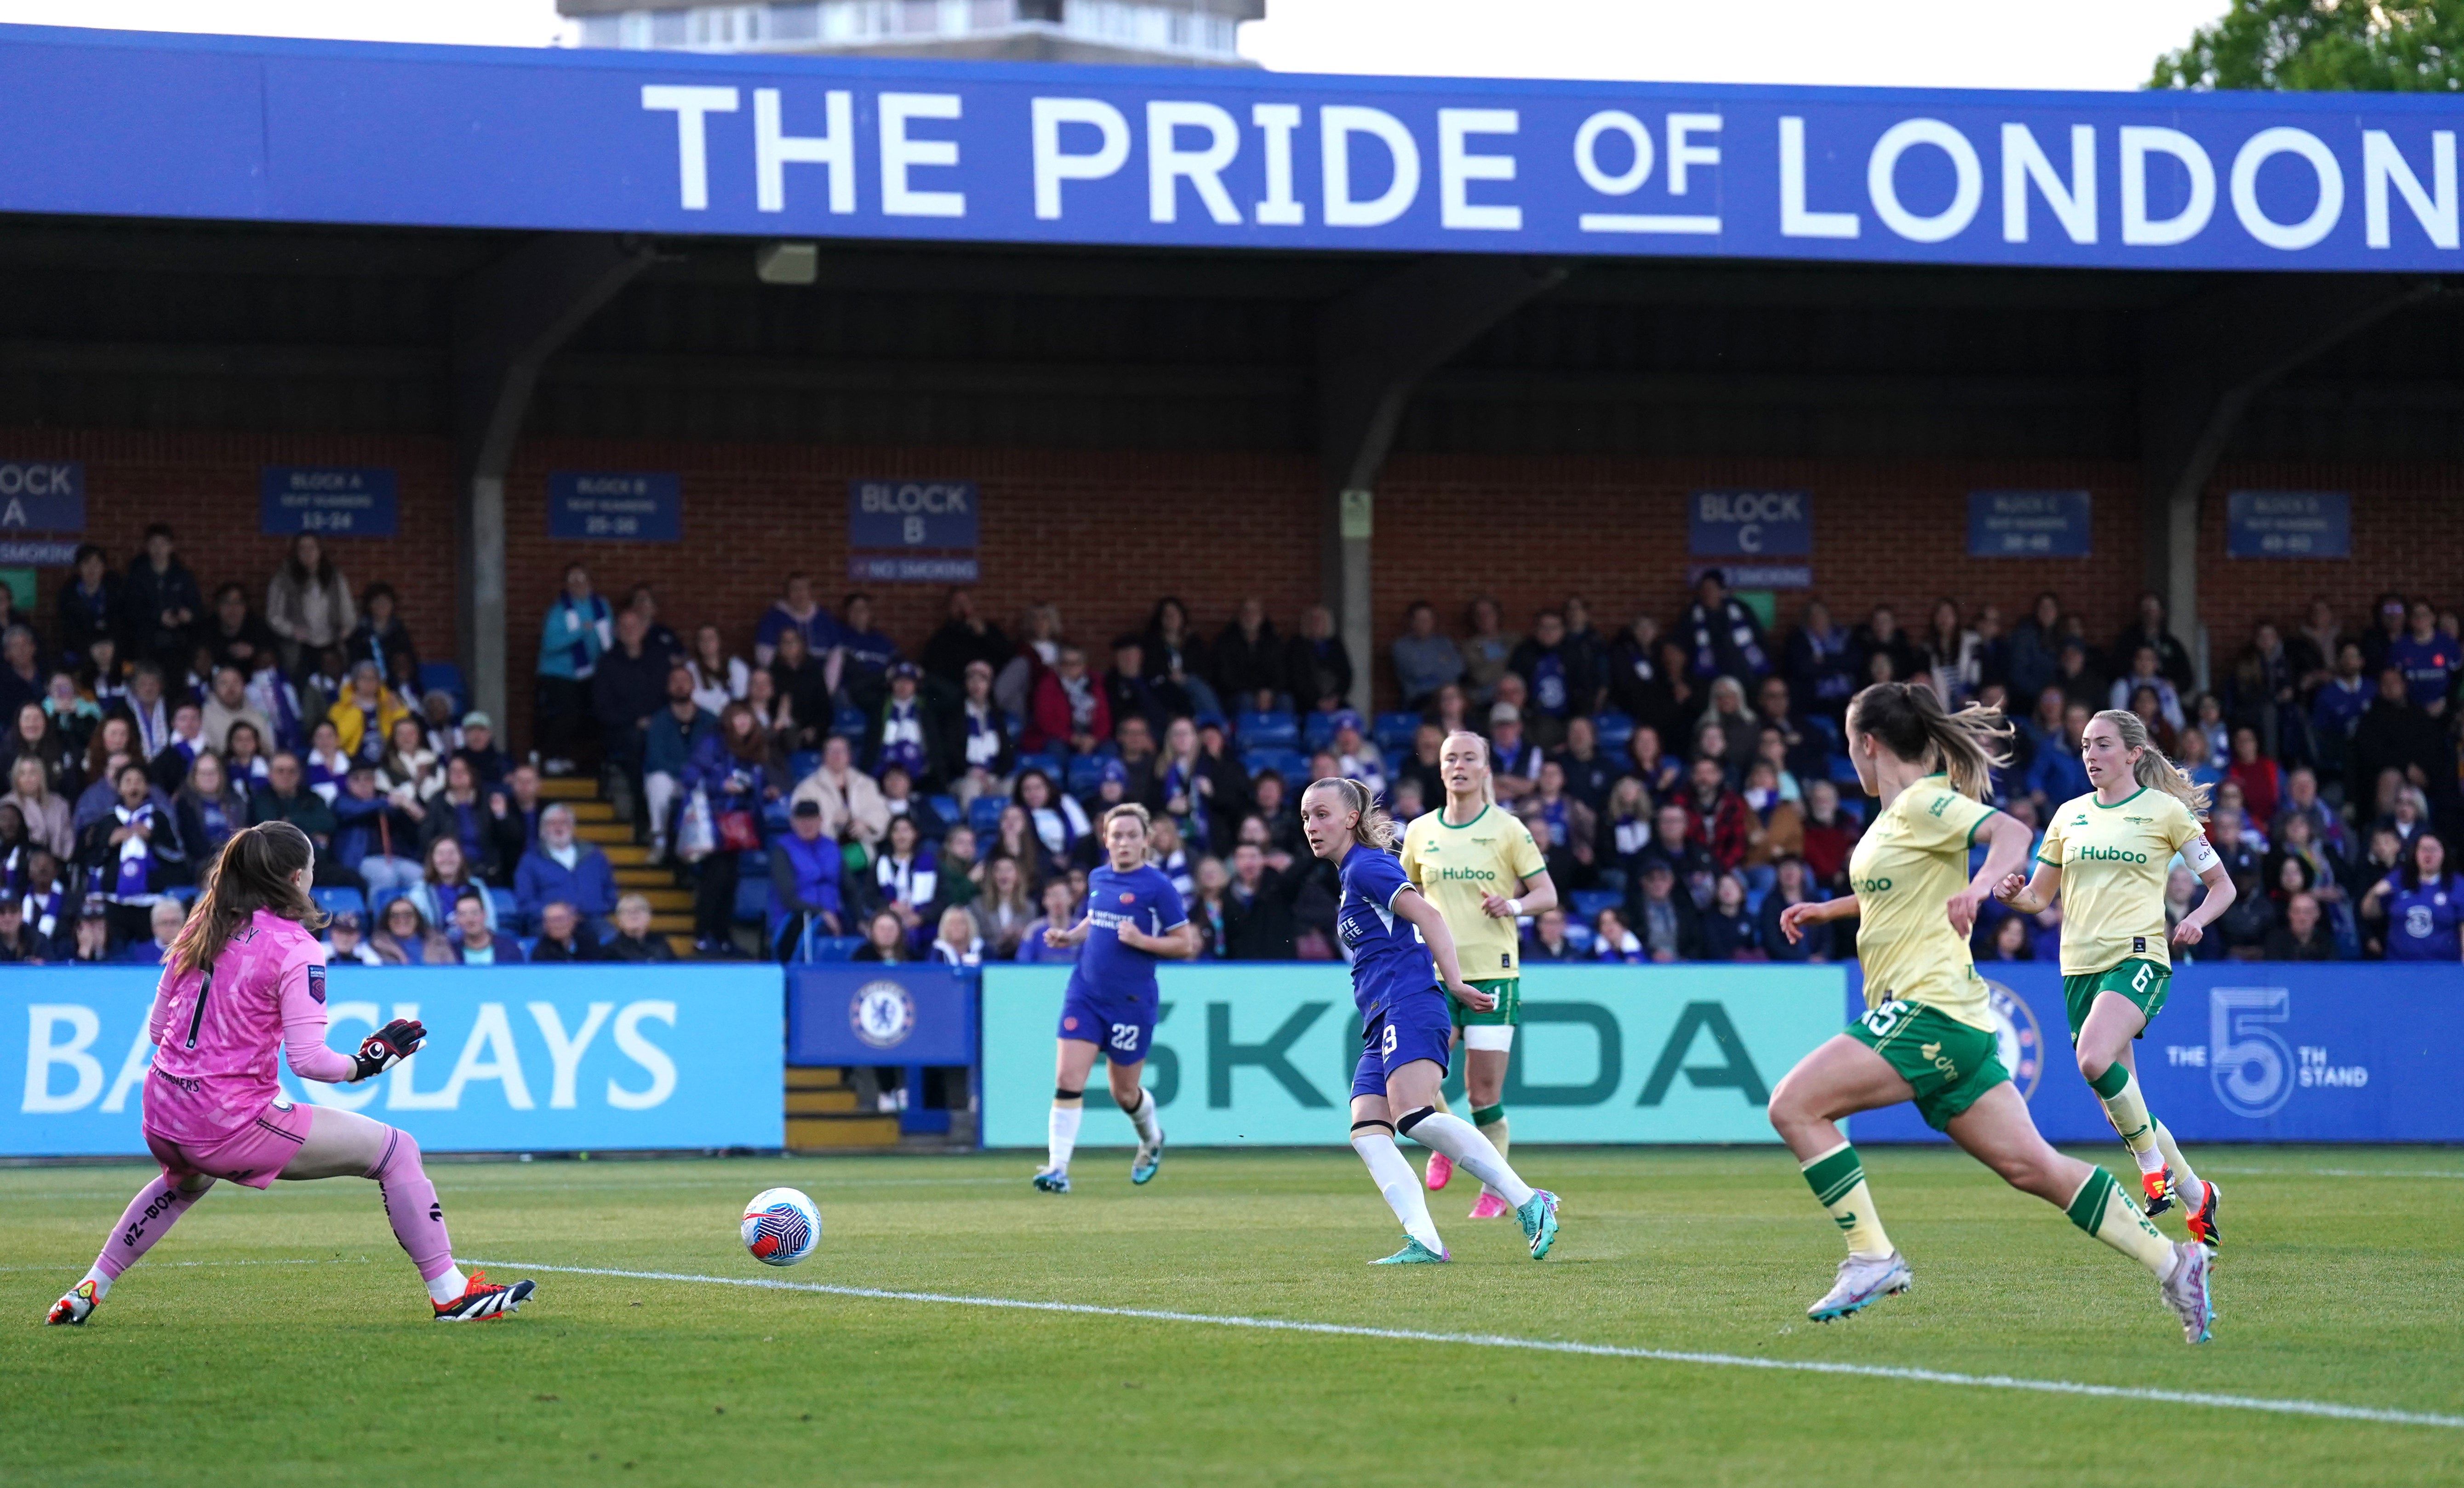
(1149, 1129)
(1401, 1186)
(1462, 1141)
(2183, 1178)
(449, 1287)
(1064, 1136)
(101, 1283)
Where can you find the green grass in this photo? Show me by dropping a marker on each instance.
(2342, 1288)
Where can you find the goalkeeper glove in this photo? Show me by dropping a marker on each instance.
(388, 1046)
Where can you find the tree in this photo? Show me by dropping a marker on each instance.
(2368, 46)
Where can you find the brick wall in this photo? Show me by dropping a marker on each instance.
(1103, 533)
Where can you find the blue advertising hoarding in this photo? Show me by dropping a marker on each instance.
(881, 1014)
(1263, 1055)
(1749, 524)
(911, 513)
(615, 506)
(2028, 523)
(128, 124)
(2243, 1052)
(331, 501)
(2289, 524)
(42, 495)
(544, 1059)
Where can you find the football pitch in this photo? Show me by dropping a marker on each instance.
(282, 1338)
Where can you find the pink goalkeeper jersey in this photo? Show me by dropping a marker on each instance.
(216, 1032)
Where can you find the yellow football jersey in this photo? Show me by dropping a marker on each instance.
(2114, 860)
(1905, 871)
(1456, 867)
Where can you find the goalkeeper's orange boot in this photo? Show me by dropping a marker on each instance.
(72, 1310)
(2158, 1186)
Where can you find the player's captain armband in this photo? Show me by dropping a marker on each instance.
(2199, 855)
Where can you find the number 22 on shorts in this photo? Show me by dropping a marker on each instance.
(1124, 1035)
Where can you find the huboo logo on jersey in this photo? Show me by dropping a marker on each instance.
(2091, 853)
(61, 1038)
(2018, 1041)
(1454, 875)
(882, 1014)
(1872, 886)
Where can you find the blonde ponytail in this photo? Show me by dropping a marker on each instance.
(1373, 826)
(2149, 765)
(1909, 721)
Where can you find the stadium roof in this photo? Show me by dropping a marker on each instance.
(140, 126)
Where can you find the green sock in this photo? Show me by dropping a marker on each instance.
(1838, 1179)
(2102, 1210)
(2127, 1110)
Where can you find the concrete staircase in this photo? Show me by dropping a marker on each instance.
(823, 1114)
(595, 822)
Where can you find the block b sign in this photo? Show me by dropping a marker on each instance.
(899, 514)
(615, 506)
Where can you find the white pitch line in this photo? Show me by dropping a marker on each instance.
(2337, 1172)
(1882, 1372)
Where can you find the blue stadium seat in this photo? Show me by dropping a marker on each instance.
(1086, 773)
(1843, 770)
(1614, 730)
(1820, 723)
(752, 890)
(1393, 732)
(946, 807)
(445, 677)
(1277, 730)
(1317, 729)
(1580, 937)
(804, 762)
(508, 911)
(528, 943)
(1588, 903)
(983, 814)
(1289, 763)
(835, 948)
(333, 901)
(850, 723)
(186, 893)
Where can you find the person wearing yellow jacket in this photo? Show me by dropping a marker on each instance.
(364, 715)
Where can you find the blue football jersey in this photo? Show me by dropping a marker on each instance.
(1388, 958)
(1107, 969)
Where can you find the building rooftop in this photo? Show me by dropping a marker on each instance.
(1146, 33)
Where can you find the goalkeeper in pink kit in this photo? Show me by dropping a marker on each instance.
(246, 976)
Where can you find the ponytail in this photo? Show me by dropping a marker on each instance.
(1374, 827)
(2149, 765)
(1910, 722)
(254, 872)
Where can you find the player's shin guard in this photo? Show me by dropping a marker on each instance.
(157, 1207)
(2128, 1110)
(1491, 1120)
(1472, 1152)
(1061, 1136)
(2102, 1210)
(411, 1208)
(1838, 1179)
(1375, 1142)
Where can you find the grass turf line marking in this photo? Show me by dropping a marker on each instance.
(1882, 1372)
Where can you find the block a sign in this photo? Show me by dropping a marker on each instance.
(1749, 524)
(42, 495)
(335, 502)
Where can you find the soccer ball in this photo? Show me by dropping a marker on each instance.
(781, 1227)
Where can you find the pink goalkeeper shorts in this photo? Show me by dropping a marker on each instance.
(254, 1155)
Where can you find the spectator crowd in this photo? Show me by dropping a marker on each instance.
(1685, 775)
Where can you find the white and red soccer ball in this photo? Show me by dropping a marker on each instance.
(782, 1226)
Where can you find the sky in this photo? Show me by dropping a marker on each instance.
(1904, 43)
